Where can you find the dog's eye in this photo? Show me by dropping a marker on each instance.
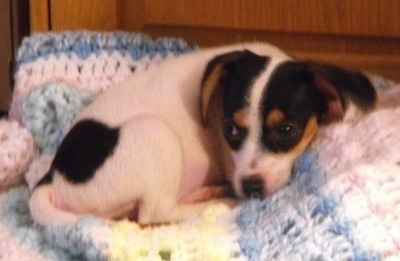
(282, 137)
(230, 129)
(286, 130)
(233, 134)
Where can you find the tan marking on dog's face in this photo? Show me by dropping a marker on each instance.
(309, 132)
(208, 88)
(241, 118)
(276, 168)
(274, 118)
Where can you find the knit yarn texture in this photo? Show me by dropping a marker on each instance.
(343, 202)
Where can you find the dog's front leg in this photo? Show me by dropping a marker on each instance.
(206, 193)
(171, 211)
(154, 159)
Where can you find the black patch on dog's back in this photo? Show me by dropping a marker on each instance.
(85, 149)
(46, 179)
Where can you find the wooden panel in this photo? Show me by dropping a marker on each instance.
(83, 14)
(289, 41)
(354, 33)
(377, 55)
(5, 54)
(39, 15)
(20, 24)
(355, 17)
(357, 33)
(130, 14)
(384, 65)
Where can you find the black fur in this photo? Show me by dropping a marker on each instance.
(291, 89)
(239, 79)
(351, 84)
(47, 178)
(85, 149)
(241, 69)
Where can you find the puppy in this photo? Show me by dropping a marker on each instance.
(242, 113)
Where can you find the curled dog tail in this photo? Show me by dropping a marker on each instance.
(43, 208)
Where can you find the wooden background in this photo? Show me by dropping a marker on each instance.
(5, 54)
(14, 24)
(355, 33)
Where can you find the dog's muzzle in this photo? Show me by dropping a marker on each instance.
(253, 186)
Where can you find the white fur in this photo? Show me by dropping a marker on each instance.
(249, 160)
(163, 155)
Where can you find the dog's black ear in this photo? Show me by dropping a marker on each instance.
(214, 79)
(338, 87)
(229, 73)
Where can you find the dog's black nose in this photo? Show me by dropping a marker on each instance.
(253, 186)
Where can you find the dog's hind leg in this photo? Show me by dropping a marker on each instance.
(158, 166)
(153, 164)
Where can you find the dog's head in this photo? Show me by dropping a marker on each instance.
(268, 109)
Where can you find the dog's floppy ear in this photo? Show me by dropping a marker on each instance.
(214, 79)
(338, 87)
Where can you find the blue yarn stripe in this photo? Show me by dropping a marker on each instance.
(83, 44)
(300, 222)
(73, 243)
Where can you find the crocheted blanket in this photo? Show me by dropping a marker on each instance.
(342, 204)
